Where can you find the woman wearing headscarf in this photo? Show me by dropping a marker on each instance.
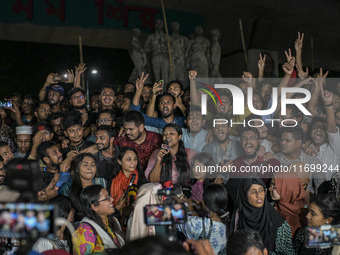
(287, 191)
(253, 211)
(147, 195)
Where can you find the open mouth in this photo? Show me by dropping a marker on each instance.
(165, 110)
(249, 148)
(317, 136)
(194, 125)
(220, 134)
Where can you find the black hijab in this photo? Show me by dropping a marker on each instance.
(266, 220)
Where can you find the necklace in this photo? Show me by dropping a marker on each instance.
(77, 147)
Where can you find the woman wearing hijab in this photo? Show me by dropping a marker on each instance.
(254, 212)
(147, 195)
(287, 191)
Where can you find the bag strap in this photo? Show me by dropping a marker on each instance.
(204, 234)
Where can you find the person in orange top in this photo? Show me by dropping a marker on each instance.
(129, 163)
(289, 195)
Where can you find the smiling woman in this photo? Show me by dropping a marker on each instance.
(98, 231)
(254, 212)
(85, 166)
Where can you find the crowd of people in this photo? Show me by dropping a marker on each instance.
(102, 165)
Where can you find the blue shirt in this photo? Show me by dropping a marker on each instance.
(157, 122)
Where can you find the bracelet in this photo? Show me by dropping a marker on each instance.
(329, 104)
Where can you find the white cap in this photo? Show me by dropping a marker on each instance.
(23, 130)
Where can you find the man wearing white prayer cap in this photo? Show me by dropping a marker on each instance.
(23, 141)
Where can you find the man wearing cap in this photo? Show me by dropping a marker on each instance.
(23, 141)
(55, 94)
(41, 133)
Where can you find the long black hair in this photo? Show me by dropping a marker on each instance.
(182, 165)
(64, 208)
(77, 186)
(215, 198)
(329, 206)
(90, 196)
(141, 176)
(207, 160)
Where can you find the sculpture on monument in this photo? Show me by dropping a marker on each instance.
(137, 55)
(179, 44)
(215, 50)
(156, 46)
(198, 54)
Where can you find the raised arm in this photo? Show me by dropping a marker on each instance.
(49, 81)
(327, 98)
(311, 105)
(298, 48)
(195, 99)
(261, 64)
(139, 88)
(150, 110)
(79, 70)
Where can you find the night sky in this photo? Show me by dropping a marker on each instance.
(25, 66)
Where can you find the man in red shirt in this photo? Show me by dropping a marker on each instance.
(137, 137)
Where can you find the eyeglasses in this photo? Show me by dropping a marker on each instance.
(77, 97)
(315, 127)
(261, 191)
(107, 198)
(103, 121)
(3, 170)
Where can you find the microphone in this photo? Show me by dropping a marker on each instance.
(133, 178)
(165, 145)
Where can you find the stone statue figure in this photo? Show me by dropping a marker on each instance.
(198, 54)
(215, 50)
(137, 55)
(179, 44)
(156, 46)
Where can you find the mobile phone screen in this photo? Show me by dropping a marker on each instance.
(323, 236)
(165, 214)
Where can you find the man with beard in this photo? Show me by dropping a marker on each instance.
(56, 122)
(107, 152)
(95, 102)
(41, 133)
(291, 152)
(175, 88)
(23, 140)
(250, 143)
(5, 152)
(47, 185)
(28, 106)
(137, 137)
(166, 107)
(49, 153)
(195, 136)
(55, 94)
(78, 102)
(326, 138)
(257, 122)
(42, 111)
(222, 149)
(6, 195)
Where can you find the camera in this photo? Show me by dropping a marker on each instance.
(60, 77)
(322, 237)
(6, 103)
(20, 223)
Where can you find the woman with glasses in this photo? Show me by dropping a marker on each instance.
(98, 231)
(253, 211)
(289, 196)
